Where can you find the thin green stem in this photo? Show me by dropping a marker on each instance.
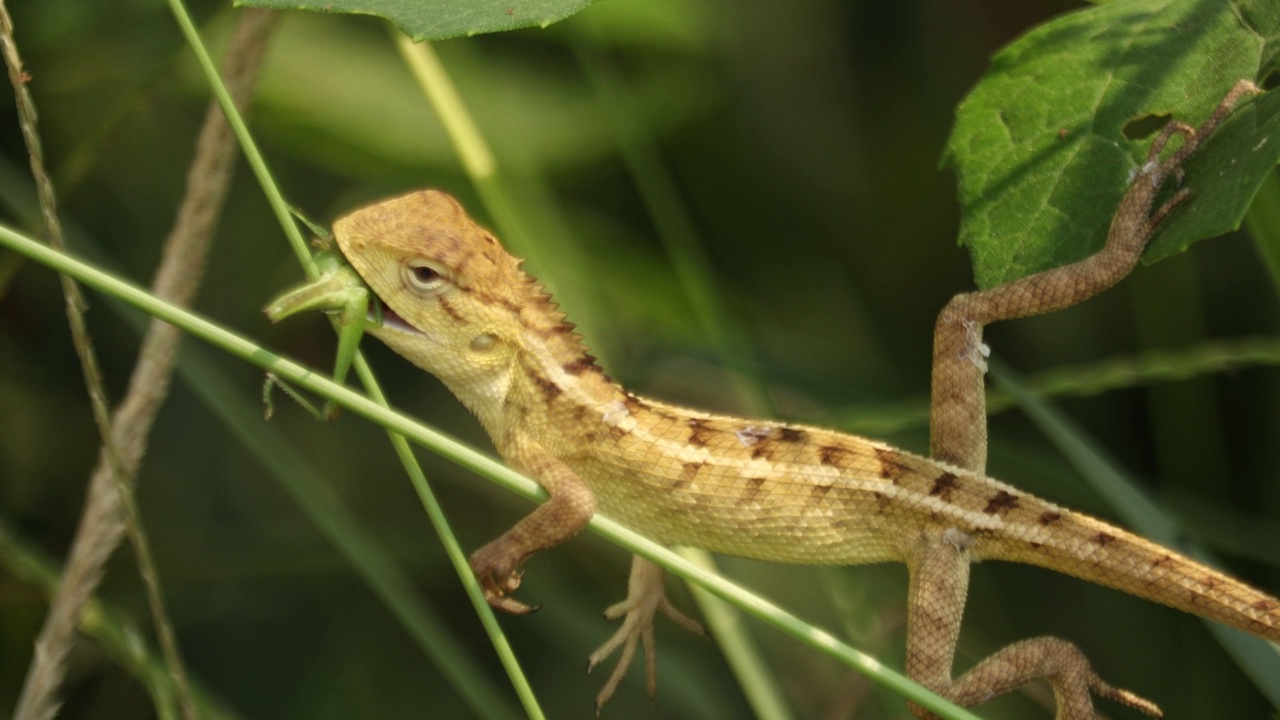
(275, 199)
(434, 512)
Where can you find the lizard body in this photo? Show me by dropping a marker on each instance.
(459, 306)
(751, 488)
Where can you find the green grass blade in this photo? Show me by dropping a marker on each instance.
(434, 512)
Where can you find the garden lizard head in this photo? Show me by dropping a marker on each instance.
(455, 302)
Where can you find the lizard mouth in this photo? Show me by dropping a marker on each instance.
(392, 321)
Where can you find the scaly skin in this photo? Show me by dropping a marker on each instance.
(459, 306)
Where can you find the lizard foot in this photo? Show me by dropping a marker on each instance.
(646, 596)
(1124, 697)
(497, 569)
(1192, 138)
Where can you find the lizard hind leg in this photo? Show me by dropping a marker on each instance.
(938, 562)
(1058, 662)
(939, 582)
(646, 596)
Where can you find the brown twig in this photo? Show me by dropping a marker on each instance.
(109, 502)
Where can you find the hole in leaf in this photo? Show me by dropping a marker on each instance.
(1271, 80)
(1144, 126)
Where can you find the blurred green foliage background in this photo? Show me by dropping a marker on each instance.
(803, 138)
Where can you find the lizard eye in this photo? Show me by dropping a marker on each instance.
(423, 276)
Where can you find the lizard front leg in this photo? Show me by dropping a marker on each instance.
(938, 561)
(497, 564)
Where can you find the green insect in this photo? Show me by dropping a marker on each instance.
(339, 292)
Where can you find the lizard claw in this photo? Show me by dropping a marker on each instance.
(1160, 170)
(1124, 697)
(498, 594)
(646, 596)
(1192, 137)
(499, 574)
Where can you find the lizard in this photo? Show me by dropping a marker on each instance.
(458, 305)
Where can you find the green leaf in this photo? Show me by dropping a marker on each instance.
(1040, 148)
(440, 19)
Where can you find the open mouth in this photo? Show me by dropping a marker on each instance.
(390, 319)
